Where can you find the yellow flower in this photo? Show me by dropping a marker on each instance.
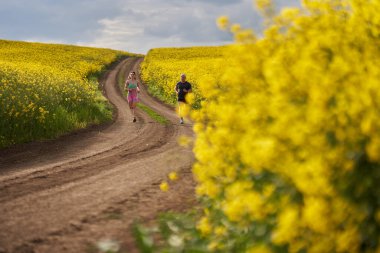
(164, 186)
(212, 246)
(348, 240)
(204, 226)
(235, 28)
(262, 4)
(223, 22)
(290, 13)
(173, 176)
(190, 98)
(208, 188)
(315, 212)
(287, 228)
(259, 249)
(373, 149)
(220, 231)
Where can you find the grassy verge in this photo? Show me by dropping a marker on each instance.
(154, 115)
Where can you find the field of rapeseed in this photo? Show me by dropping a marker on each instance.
(288, 146)
(47, 90)
(162, 68)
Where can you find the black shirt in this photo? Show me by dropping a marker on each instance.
(180, 88)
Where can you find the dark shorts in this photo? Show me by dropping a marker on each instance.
(182, 100)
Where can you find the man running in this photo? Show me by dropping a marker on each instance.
(182, 88)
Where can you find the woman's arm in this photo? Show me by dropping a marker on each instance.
(126, 85)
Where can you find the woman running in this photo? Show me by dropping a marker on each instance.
(132, 85)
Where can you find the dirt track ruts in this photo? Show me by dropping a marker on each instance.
(50, 191)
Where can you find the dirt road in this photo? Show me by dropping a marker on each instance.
(68, 194)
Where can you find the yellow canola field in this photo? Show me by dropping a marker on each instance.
(162, 68)
(48, 89)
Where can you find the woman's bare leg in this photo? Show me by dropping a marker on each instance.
(133, 111)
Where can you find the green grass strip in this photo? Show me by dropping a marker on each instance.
(154, 115)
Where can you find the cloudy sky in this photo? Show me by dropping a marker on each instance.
(130, 25)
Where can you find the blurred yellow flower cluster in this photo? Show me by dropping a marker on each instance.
(39, 83)
(288, 132)
(288, 145)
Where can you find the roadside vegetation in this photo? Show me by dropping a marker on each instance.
(47, 90)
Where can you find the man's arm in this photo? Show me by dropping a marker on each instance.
(189, 88)
(176, 88)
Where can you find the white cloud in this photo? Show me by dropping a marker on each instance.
(130, 25)
(169, 24)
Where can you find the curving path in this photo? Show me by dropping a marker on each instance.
(65, 195)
